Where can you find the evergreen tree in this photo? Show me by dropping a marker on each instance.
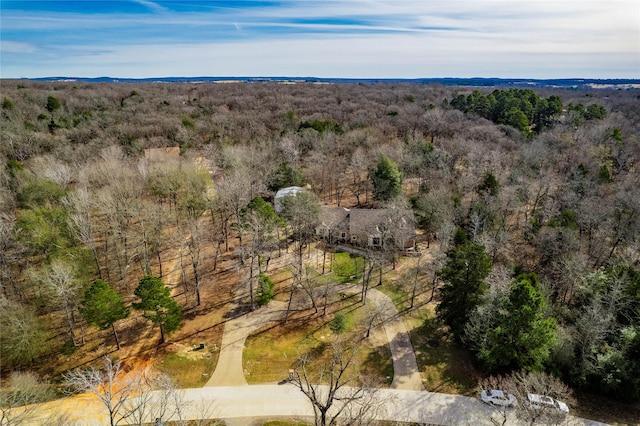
(158, 305)
(266, 290)
(463, 276)
(515, 331)
(103, 307)
(386, 180)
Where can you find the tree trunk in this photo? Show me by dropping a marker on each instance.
(413, 290)
(161, 334)
(72, 333)
(252, 305)
(145, 254)
(194, 265)
(106, 256)
(326, 298)
(286, 317)
(323, 418)
(324, 259)
(434, 284)
(94, 253)
(183, 278)
(115, 334)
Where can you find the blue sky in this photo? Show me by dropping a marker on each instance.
(330, 38)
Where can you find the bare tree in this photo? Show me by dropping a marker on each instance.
(8, 253)
(49, 168)
(65, 290)
(234, 192)
(155, 397)
(110, 384)
(522, 383)
(302, 214)
(195, 240)
(358, 173)
(23, 337)
(19, 397)
(261, 223)
(334, 388)
(81, 222)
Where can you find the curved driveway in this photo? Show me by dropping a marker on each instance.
(229, 371)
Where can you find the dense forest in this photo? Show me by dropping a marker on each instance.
(532, 199)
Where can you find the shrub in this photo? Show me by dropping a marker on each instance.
(338, 323)
(265, 291)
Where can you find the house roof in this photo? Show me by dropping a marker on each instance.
(334, 217)
(365, 221)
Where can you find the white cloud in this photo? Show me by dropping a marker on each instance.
(504, 38)
(8, 46)
(151, 5)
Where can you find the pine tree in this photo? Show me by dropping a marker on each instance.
(158, 305)
(464, 285)
(103, 307)
(386, 180)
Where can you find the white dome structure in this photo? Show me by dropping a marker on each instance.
(285, 192)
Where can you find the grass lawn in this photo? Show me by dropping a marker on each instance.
(444, 367)
(269, 355)
(186, 372)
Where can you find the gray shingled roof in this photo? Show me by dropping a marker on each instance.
(363, 221)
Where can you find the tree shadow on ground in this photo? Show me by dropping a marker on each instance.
(445, 366)
(379, 363)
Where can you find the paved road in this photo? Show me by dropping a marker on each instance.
(269, 401)
(240, 404)
(387, 404)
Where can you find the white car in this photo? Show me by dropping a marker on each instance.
(497, 397)
(539, 402)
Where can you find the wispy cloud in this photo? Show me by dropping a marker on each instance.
(7, 46)
(151, 5)
(348, 38)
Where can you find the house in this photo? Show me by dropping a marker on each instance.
(367, 228)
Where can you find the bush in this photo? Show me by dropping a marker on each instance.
(7, 104)
(338, 323)
(68, 348)
(265, 291)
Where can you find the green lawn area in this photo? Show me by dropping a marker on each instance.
(444, 367)
(187, 373)
(269, 355)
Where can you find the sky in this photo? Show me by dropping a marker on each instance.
(328, 39)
